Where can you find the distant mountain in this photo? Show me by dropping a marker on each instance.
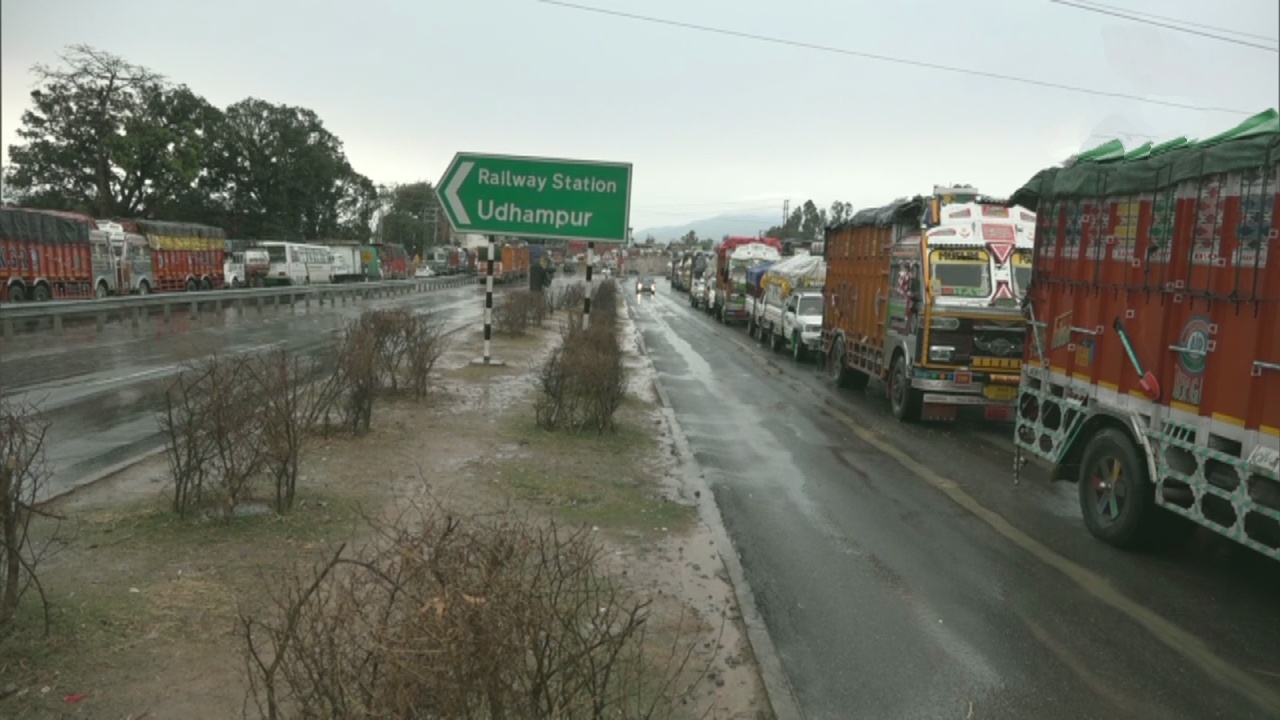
(714, 227)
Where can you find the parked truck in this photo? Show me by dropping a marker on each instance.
(923, 294)
(244, 265)
(47, 255)
(393, 261)
(348, 263)
(733, 257)
(161, 256)
(1152, 373)
(790, 306)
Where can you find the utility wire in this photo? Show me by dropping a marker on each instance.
(1187, 23)
(890, 59)
(1132, 18)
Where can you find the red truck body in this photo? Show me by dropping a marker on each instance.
(177, 256)
(395, 261)
(730, 303)
(1155, 303)
(45, 255)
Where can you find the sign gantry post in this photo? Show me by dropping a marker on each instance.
(530, 197)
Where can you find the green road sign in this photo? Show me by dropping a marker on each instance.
(537, 197)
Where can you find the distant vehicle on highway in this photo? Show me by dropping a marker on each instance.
(298, 263)
(697, 293)
(644, 285)
(424, 272)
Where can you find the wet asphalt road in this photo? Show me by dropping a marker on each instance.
(901, 574)
(100, 392)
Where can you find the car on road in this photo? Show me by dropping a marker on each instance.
(644, 285)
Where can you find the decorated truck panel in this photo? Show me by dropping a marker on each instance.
(1153, 375)
(161, 256)
(923, 295)
(45, 255)
(734, 257)
(393, 261)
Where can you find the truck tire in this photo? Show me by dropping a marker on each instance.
(144, 288)
(41, 294)
(16, 294)
(1117, 498)
(904, 400)
(797, 348)
(100, 290)
(751, 326)
(192, 285)
(837, 365)
(775, 341)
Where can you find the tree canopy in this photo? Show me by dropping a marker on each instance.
(113, 139)
(808, 222)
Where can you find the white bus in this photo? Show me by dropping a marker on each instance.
(298, 263)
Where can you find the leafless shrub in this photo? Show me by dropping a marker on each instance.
(213, 425)
(511, 314)
(23, 473)
(583, 382)
(454, 618)
(295, 394)
(356, 369)
(571, 297)
(425, 343)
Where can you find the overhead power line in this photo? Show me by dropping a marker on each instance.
(1188, 23)
(1133, 17)
(890, 59)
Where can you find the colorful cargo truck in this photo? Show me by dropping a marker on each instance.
(1152, 372)
(47, 255)
(923, 294)
(734, 257)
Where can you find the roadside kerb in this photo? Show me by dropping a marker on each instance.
(53, 314)
(777, 687)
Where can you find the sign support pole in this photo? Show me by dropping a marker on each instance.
(586, 303)
(488, 359)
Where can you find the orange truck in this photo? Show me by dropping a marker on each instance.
(923, 294)
(1151, 375)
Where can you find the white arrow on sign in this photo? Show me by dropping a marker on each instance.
(451, 192)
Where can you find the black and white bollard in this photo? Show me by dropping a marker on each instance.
(488, 358)
(586, 304)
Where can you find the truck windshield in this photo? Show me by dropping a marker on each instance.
(1022, 271)
(809, 306)
(961, 273)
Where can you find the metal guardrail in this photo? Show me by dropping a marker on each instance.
(137, 307)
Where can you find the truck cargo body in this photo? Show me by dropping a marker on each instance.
(784, 322)
(245, 264)
(923, 295)
(348, 265)
(1152, 375)
(733, 258)
(161, 256)
(47, 255)
(394, 261)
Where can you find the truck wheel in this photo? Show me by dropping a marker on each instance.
(16, 294)
(751, 326)
(775, 341)
(192, 285)
(206, 284)
(797, 348)
(904, 400)
(144, 288)
(837, 366)
(41, 294)
(101, 291)
(1116, 497)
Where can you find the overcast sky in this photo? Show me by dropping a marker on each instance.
(712, 123)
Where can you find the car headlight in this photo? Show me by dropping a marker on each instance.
(941, 353)
(944, 323)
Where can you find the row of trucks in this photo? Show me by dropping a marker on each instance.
(450, 261)
(51, 255)
(511, 263)
(1121, 312)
